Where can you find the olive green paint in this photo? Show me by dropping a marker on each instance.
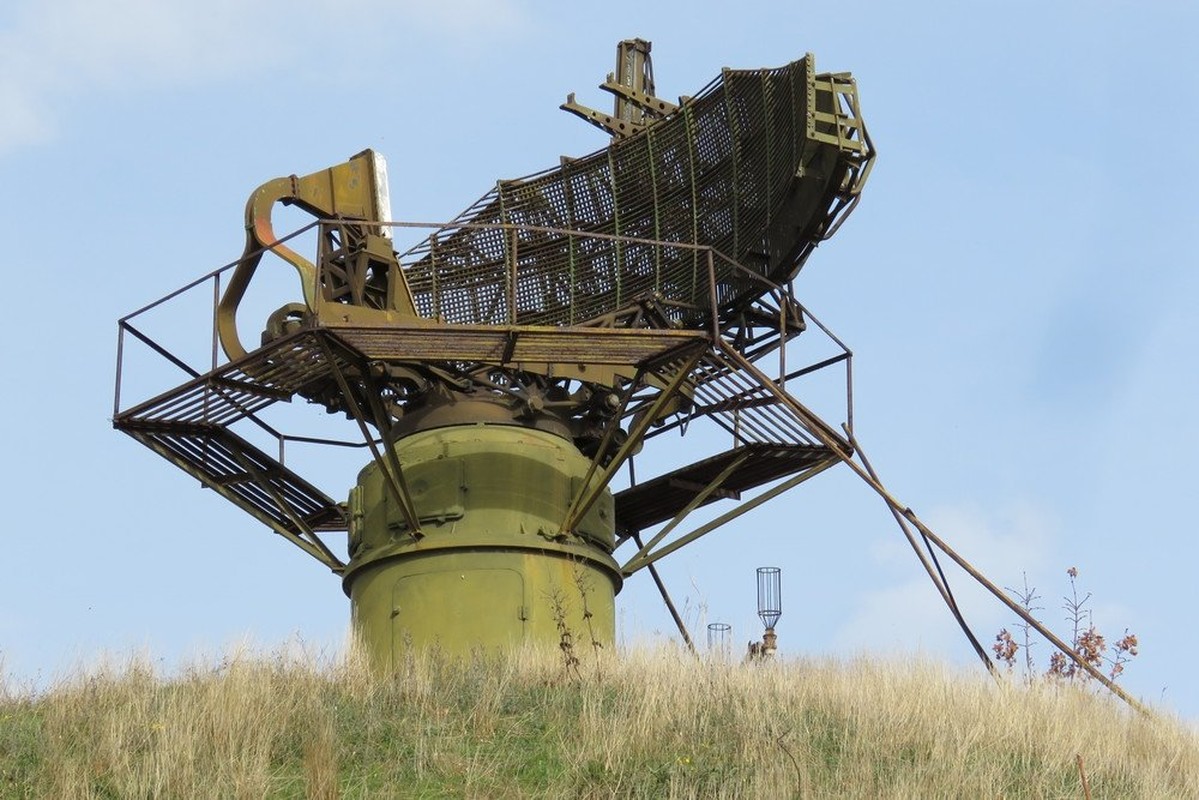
(492, 569)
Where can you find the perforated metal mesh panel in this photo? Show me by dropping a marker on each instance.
(757, 165)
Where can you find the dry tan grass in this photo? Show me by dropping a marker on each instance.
(650, 724)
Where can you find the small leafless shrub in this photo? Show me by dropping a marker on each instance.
(1088, 643)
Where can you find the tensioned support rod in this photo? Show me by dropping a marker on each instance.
(589, 493)
(936, 576)
(818, 429)
(695, 503)
(674, 613)
(635, 564)
(392, 473)
(1011, 604)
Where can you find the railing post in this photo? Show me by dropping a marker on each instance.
(512, 278)
(712, 295)
(116, 395)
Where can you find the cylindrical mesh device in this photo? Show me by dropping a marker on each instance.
(719, 636)
(770, 595)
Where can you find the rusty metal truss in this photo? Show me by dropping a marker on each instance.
(655, 273)
(639, 290)
(217, 424)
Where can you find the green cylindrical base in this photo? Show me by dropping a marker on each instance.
(492, 570)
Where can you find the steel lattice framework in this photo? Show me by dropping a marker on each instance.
(618, 296)
(653, 272)
(760, 165)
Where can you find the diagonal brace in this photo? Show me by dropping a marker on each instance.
(589, 493)
(309, 536)
(391, 468)
(674, 612)
(308, 547)
(937, 576)
(639, 561)
(695, 503)
(833, 441)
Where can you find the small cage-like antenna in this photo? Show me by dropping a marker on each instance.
(720, 635)
(770, 595)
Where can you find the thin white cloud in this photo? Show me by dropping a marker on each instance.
(22, 122)
(457, 19)
(908, 614)
(54, 50)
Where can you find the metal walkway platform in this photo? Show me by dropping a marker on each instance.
(753, 465)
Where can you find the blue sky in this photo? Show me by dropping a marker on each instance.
(1018, 286)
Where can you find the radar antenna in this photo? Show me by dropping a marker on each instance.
(506, 368)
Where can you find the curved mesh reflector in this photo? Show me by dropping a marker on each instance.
(746, 167)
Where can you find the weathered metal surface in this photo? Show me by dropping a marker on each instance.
(662, 262)
(656, 500)
(632, 83)
(492, 569)
(357, 264)
(760, 165)
(332, 365)
(523, 347)
(504, 371)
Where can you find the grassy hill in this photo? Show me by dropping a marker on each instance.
(650, 724)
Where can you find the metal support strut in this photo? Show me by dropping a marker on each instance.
(821, 432)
